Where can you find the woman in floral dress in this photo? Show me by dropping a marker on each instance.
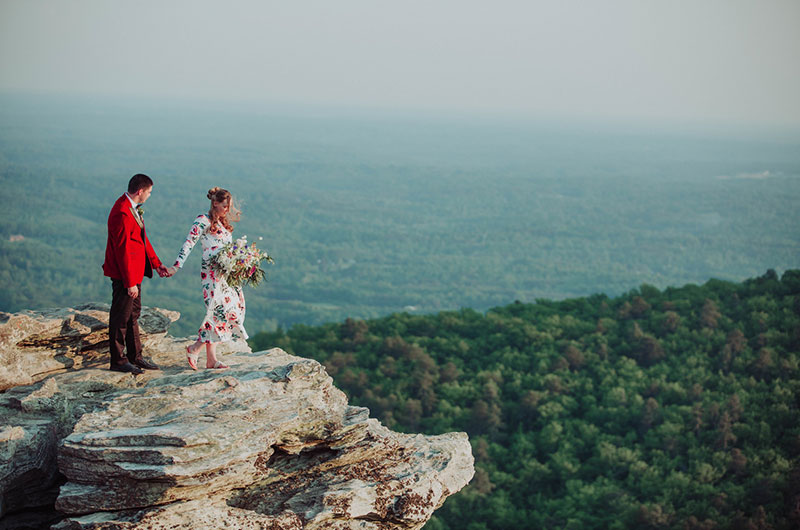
(225, 307)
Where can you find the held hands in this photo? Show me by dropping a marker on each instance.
(165, 272)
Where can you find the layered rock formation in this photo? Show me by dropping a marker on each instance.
(37, 344)
(269, 443)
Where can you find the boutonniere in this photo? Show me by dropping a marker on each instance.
(137, 216)
(140, 211)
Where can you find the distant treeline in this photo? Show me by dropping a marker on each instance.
(368, 216)
(674, 408)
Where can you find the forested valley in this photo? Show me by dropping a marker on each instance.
(444, 269)
(674, 408)
(372, 214)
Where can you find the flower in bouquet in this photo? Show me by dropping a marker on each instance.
(239, 262)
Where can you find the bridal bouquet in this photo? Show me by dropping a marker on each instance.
(240, 263)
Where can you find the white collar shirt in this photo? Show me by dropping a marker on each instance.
(134, 205)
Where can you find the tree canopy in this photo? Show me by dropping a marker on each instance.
(654, 409)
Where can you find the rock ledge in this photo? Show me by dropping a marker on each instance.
(269, 443)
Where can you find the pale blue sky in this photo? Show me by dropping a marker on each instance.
(698, 60)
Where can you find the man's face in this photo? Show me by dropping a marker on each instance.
(143, 194)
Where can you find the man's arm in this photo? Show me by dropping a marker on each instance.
(119, 235)
(154, 261)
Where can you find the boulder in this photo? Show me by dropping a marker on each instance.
(37, 344)
(268, 443)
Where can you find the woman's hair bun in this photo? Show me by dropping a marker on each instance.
(213, 191)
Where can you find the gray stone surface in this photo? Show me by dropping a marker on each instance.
(37, 344)
(269, 443)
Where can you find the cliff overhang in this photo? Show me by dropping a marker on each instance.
(269, 443)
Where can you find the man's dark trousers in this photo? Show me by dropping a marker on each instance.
(123, 324)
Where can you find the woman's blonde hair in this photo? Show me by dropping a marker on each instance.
(218, 194)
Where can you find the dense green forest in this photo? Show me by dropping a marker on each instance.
(674, 408)
(372, 214)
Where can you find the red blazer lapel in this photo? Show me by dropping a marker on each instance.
(136, 217)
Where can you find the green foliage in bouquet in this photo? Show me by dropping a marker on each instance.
(240, 263)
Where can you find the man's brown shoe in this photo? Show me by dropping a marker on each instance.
(127, 367)
(147, 365)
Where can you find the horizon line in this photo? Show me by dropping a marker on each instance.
(323, 109)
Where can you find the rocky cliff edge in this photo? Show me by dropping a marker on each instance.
(268, 444)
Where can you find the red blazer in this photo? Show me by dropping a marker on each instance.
(129, 254)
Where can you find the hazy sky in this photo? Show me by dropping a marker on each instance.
(699, 60)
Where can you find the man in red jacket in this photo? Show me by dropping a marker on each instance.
(129, 257)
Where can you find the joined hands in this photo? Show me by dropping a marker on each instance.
(166, 272)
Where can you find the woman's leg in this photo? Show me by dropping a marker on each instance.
(211, 356)
(195, 348)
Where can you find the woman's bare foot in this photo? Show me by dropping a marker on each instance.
(218, 365)
(192, 352)
(211, 357)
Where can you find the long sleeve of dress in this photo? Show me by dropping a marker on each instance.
(198, 227)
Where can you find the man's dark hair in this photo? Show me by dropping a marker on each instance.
(138, 182)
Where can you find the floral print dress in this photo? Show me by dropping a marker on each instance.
(224, 320)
